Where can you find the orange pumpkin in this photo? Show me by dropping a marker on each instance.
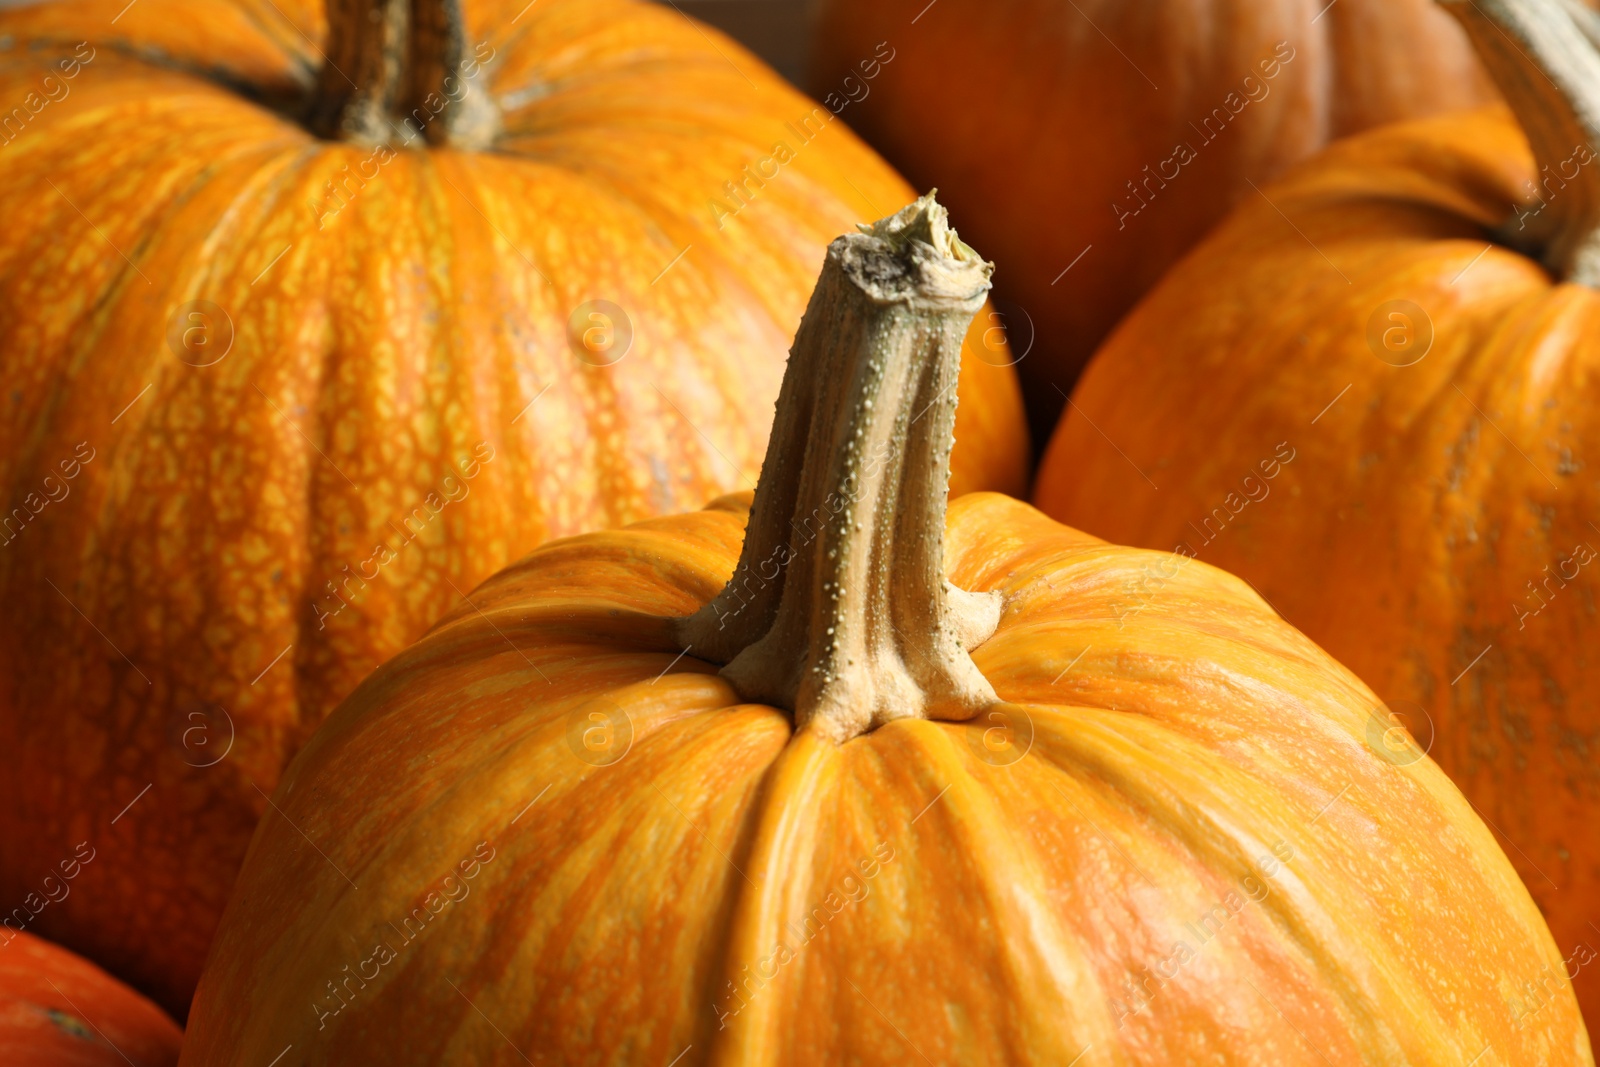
(1090, 144)
(551, 832)
(274, 403)
(1361, 398)
(59, 1010)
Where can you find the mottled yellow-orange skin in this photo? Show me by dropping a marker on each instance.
(1422, 500)
(60, 1010)
(1062, 105)
(978, 908)
(402, 373)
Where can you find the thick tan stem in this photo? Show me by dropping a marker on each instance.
(1545, 57)
(839, 609)
(401, 72)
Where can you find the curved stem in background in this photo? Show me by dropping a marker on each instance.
(1544, 55)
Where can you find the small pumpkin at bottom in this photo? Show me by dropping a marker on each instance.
(59, 1010)
(974, 789)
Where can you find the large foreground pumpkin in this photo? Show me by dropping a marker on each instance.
(58, 1010)
(273, 403)
(553, 832)
(1362, 399)
(1088, 145)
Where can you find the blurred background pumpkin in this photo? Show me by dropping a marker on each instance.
(59, 1010)
(1372, 393)
(275, 401)
(552, 832)
(1088, 145)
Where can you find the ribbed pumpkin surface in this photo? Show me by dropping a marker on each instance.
(1434, 526)
(1198, 858)
(395, 398)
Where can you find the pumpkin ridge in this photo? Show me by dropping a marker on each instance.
(678, 716)
(592, 384)
(291, 160)
(318, 478)
(746, 882)
(73, 360)
(203, 534)
(1112, 756)
(179, 197)
(783, 824)
(537, 752)
(289, 38)
(257, 59)
(1455, 180)
(717, 730)
(1356, 1006)
(236, 86)
(1049, 971)
(710, 725)
(826, 811)
(1107, 752)
(177, 192)
(666, 554)
(1014, 577)
(1014, 652)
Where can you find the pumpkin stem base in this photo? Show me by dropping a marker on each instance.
(398, 71)
(839, 609)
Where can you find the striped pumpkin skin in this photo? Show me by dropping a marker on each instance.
(60, 1010)
(1434, 527)
(403, 405)
(1199, 773)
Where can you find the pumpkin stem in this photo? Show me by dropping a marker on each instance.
(400, 70)
(839, 609)
(1545, 57)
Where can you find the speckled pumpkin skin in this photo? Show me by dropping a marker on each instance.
(1426, 506)
(60, 1010)
(402, 409)
(980, 903)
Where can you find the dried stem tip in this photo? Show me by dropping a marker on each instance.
(839, 609)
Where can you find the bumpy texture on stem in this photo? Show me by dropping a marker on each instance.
(839, 609)
(393, 70)
(1545, 57)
